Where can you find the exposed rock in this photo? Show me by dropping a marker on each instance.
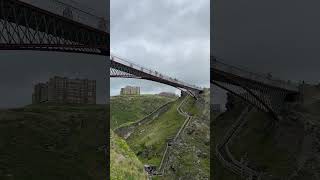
(189, 158)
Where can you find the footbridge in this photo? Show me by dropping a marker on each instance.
(52, 25)
(67, 26)
(122, 68)
(260, 90)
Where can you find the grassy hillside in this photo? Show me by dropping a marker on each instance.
(149, 140)
(220, 125)
(190, 155)
(266, 148)
(53, 142)
(190, 106)
(266, 155)
(126, 109)
(124, 163)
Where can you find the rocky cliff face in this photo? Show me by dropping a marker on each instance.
(190, 155)
(288, 149)
(307, 119)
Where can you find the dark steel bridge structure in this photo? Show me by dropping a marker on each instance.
(64, 26)
(52, 26)
(260, 90)
(122, 68)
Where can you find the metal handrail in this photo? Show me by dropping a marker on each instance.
(255, 73)
(280, 82)
(79, 14)
(150, 71)
(81, 9)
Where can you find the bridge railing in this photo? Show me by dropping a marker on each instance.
(264, 78)
(73, 11)
(150, 71)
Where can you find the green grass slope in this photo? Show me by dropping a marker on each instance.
(149, 140)
(124, 163)
(126, 109)
(53, 142)
(259, 143)
(266, 148)
(220, 125)
(190, 155)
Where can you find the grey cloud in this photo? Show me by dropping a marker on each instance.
(171, 37)
(269, 36)
(281, 37)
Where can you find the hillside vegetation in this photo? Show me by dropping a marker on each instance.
(190, 158)
(149, 140)
(220, 125)
(124, 163)
(127, 109)
(284, 149)
(258, 144)
(190, 155)
(53, 142)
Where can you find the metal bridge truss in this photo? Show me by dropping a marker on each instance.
(120, 68)
(120, 73)
(268, 99)
(26, 27)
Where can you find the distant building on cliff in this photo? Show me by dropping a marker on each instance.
(64, 90)
(40, 93)
(130, 90)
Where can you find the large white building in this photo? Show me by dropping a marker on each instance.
(65, 90)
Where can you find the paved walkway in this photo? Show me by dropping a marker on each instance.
(164, 160)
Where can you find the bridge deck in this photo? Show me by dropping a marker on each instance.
(145, 73)
(25, 26)
(234, 72)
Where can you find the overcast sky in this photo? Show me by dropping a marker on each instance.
(170, 36)
(281, 37)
